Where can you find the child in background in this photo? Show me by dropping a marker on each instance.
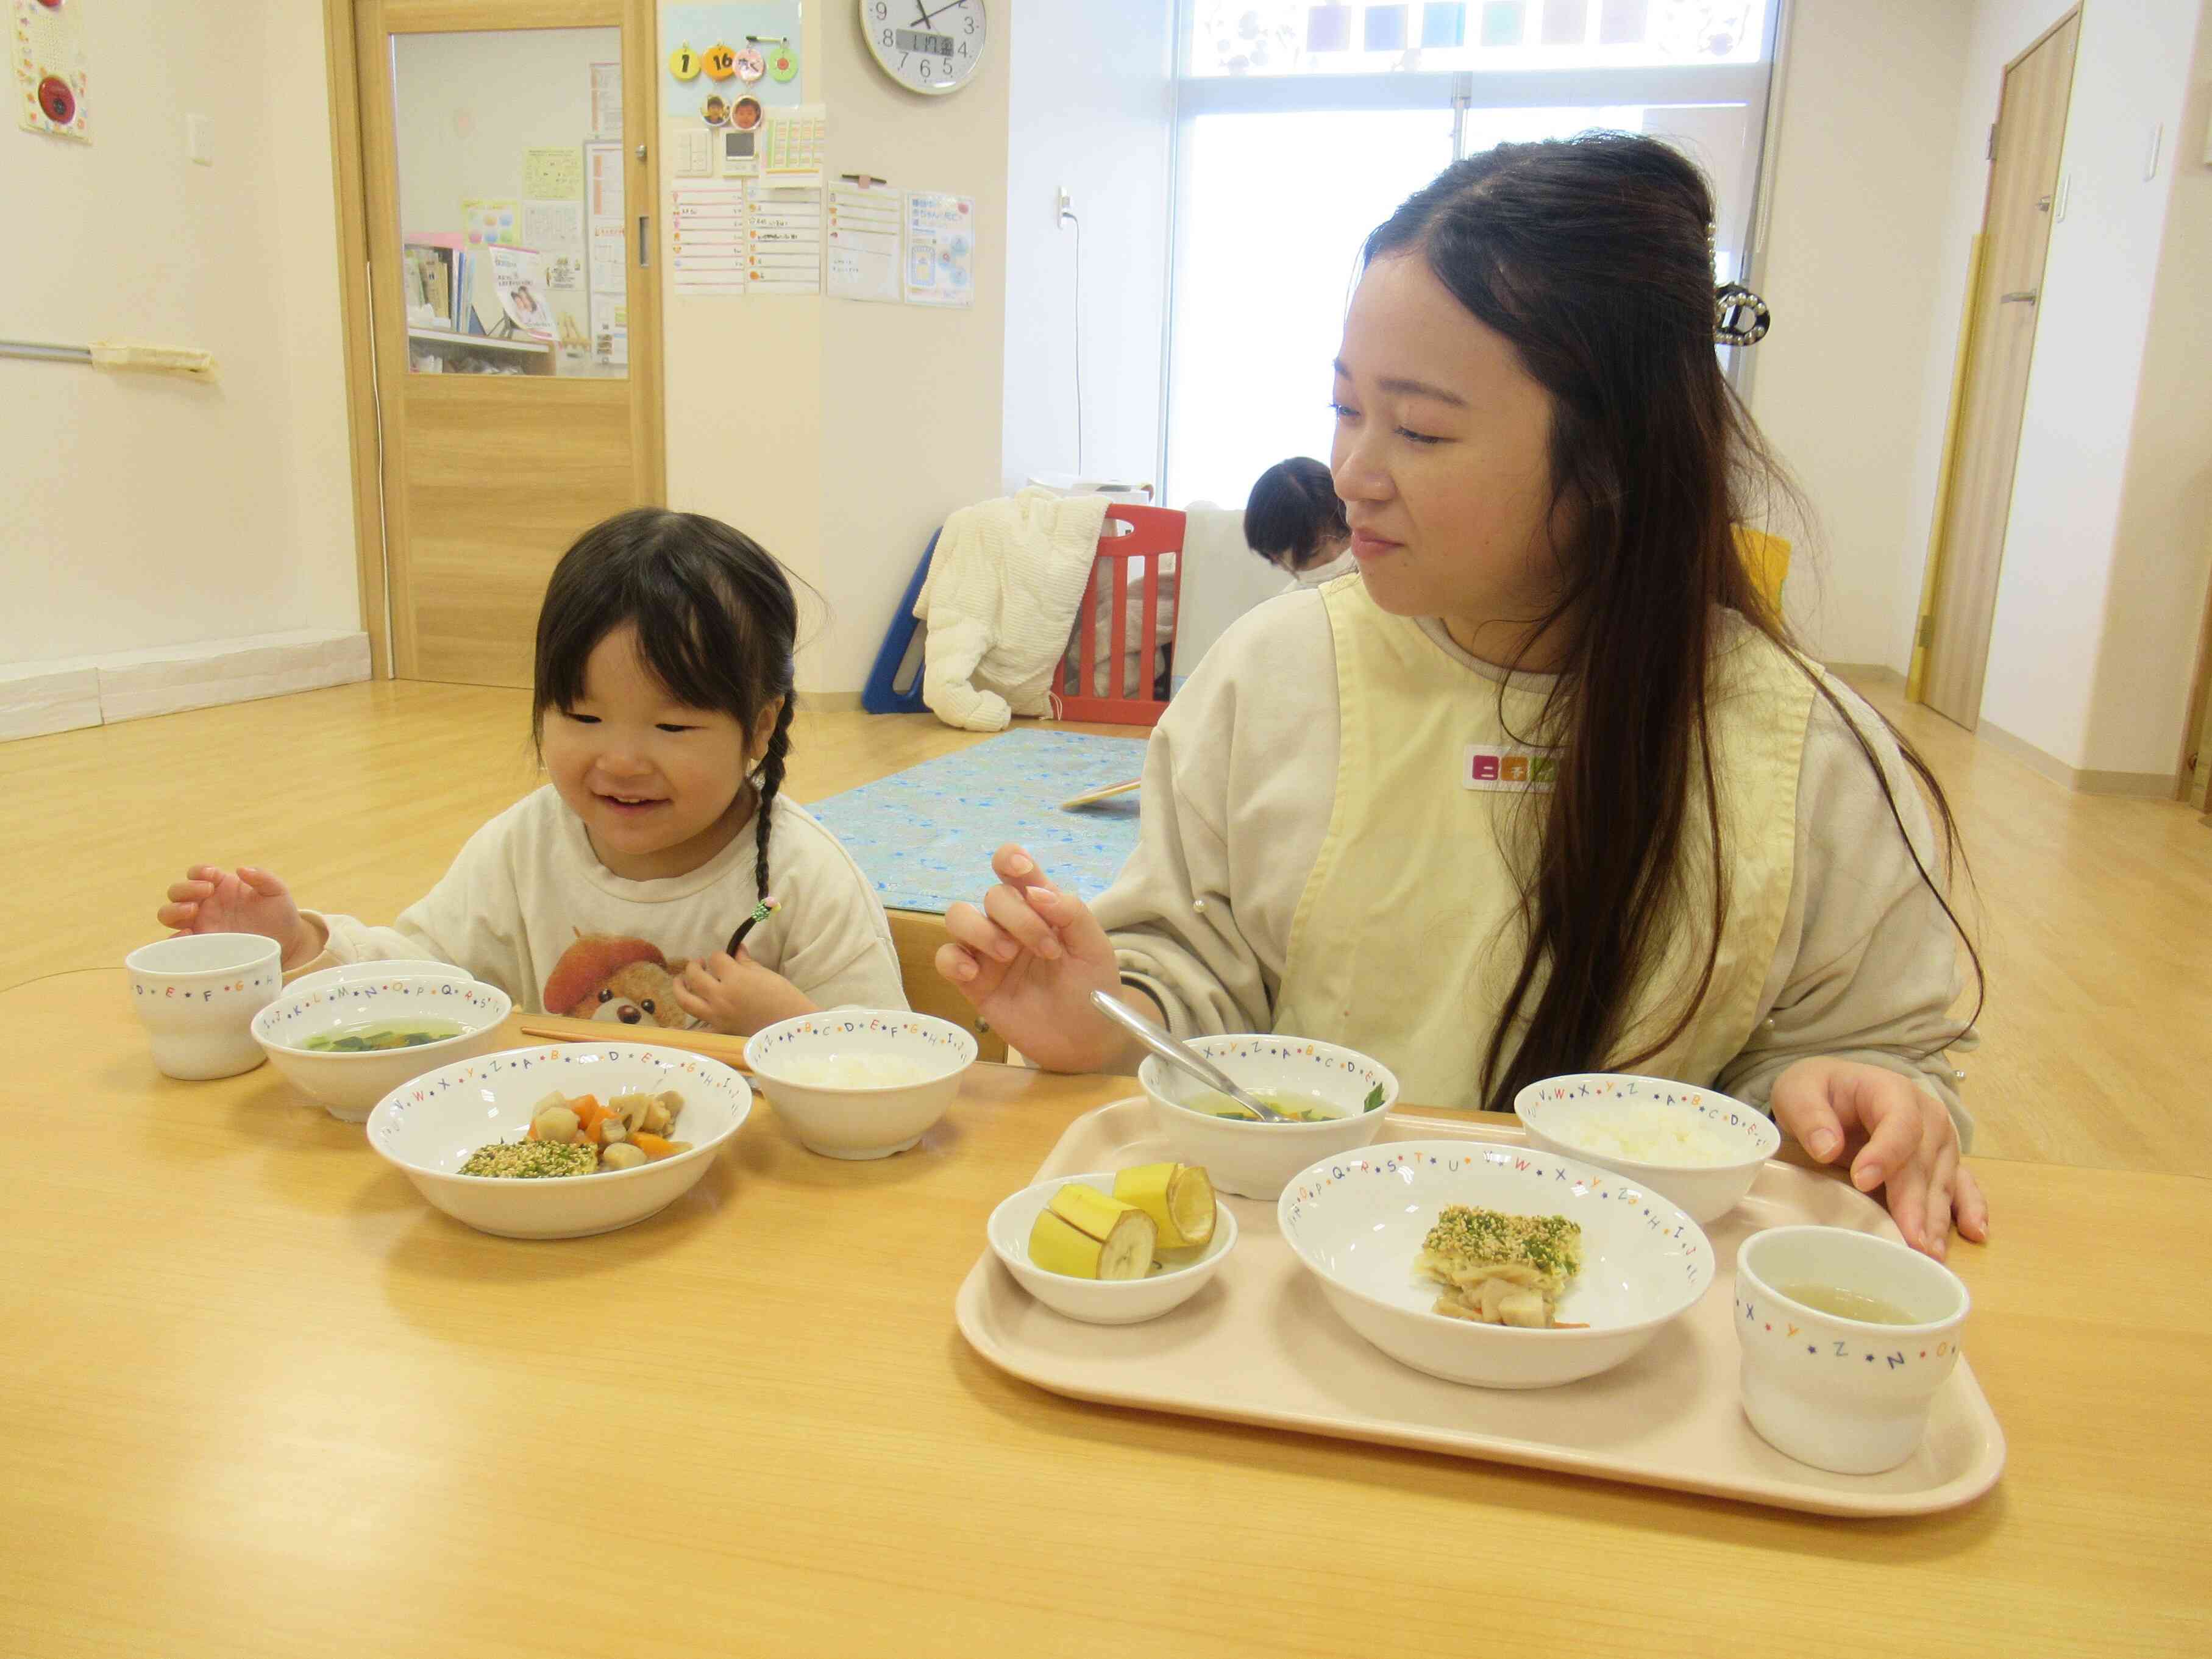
(662, 715)
(1294, 520)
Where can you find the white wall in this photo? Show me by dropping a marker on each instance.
(840, 434)
(1090, 108)
(2162, 554)
(1854, 257)
(2102, 589)
(145, 511)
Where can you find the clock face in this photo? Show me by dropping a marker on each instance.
(933, 46)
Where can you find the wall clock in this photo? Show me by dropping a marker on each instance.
(931, 46)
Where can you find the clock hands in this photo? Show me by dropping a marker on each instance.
(929, 17)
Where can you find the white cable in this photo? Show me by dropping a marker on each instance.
(1069, 216)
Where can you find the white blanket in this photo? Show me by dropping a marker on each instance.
(999, 603)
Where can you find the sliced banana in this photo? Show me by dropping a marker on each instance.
(1085, 1234)
(1179, 1197)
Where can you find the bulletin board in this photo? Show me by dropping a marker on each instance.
(767, 27)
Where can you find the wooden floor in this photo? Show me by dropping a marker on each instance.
(2092, 911)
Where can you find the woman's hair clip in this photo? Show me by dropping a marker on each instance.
(1740, 317)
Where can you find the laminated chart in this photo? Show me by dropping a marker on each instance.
(783, 240)
(940, 249)
(706, 234)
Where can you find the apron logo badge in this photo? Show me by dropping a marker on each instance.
(1491, 766)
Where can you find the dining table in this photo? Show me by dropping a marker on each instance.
(261, 1399)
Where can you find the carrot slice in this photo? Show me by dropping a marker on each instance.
(653, 1146)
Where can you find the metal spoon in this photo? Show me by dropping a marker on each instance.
(1180, 1056)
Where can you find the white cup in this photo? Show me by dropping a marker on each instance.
(1843, 1394)
(197, 997)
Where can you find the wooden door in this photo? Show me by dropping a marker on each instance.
(513, 135)
(2016, 229)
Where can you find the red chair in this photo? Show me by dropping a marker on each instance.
(1151, 531)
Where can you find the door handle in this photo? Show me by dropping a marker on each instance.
(2024, 296)
(645, 240)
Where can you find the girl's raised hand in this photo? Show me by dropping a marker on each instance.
(248, 900)
(737, 995)
(1029, 960)
(1905, 1141)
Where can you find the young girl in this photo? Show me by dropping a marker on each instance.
(1547, 789)
(1294, 520)
(662, 715)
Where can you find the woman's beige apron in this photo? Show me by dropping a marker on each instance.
(1409, 934)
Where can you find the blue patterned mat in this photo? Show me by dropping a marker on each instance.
(926, 835)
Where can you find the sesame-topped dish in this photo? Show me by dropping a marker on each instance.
(1504, 1265)
(1499, 1269)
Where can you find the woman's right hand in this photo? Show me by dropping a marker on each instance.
(1029, 960)
(212, 900)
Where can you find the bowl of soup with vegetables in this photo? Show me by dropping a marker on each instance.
(1334, 1099)
(348, 1043)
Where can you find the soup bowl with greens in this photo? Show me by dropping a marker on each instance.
(348, 1043)
(1335, 1097)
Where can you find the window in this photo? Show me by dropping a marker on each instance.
(1301, 126)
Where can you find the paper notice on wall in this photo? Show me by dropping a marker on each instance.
(556, 229)
(797, 146)
(783, 240)
(606, 101)
(863, 243)
(553, 174)
(940, 249)
(606, 256)
(610, 333)
(608, 249)
(603, 181)
(707, 238)
(50, 74)
(492, 223)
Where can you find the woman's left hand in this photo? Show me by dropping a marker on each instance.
(1905, 1143)
(736, 994)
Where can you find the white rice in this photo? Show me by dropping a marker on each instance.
(1646, 1132)
(853, 1071)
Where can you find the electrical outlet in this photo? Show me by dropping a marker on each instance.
(1063, 204)
(199, 139)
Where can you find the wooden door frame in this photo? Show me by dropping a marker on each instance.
(1931, 576)
(2194, 785)
(349, 169)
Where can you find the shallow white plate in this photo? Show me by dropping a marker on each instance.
(1357, 1224)
(429, 1128)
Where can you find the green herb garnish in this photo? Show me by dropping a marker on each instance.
(1374, 1098)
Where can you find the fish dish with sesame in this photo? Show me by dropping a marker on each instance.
(1500, 1269)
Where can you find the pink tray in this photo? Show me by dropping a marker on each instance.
(1260, 1345)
